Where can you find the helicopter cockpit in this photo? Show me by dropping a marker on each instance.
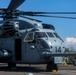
(45, 40)
(37, 38)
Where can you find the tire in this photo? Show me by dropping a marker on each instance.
(56, 67)
(48, 68)
(51, 67)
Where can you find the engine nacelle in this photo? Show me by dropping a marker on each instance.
(10, 28)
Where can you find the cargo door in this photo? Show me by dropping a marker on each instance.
(18, 46)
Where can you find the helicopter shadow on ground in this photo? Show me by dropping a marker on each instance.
(21, 69)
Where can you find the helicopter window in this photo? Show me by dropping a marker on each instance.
(29, 37)
(41, 34)
(58, 36)
(50, 34)
(42, 44)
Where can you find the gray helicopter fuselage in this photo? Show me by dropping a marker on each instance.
(29, 41)
(24, 50)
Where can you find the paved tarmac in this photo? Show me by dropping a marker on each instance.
(36, 70)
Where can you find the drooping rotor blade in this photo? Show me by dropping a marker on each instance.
(55, 16)
(30, 18)
(37, 13)
(15, 4)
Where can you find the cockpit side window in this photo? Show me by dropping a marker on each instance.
(58, 36)
(41, 34)
(50, 34)
(29, 37)
(42, 44)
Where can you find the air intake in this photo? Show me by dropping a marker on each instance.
(10, 28)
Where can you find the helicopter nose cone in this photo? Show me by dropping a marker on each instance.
(56, 46)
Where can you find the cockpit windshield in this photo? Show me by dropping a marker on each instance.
(58, 36)
(34, 35)
(50, 34)
(41, 34)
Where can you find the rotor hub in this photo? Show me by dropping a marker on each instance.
(8, 14)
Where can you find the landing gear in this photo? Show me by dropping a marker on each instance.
(74, 63)
(11, 65)
(51, 66)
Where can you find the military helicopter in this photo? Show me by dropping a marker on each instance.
(29, 41)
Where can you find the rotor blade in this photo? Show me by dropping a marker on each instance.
(15, 4)
(31, 19)
(36, 13)
(55, 16)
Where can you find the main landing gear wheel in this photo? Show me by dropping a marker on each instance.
(51, 66)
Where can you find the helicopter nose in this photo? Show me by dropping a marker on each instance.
(56, 47)
(53, 50)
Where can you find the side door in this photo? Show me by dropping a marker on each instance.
(31, 53)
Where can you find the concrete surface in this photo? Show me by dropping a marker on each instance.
(36, 70)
